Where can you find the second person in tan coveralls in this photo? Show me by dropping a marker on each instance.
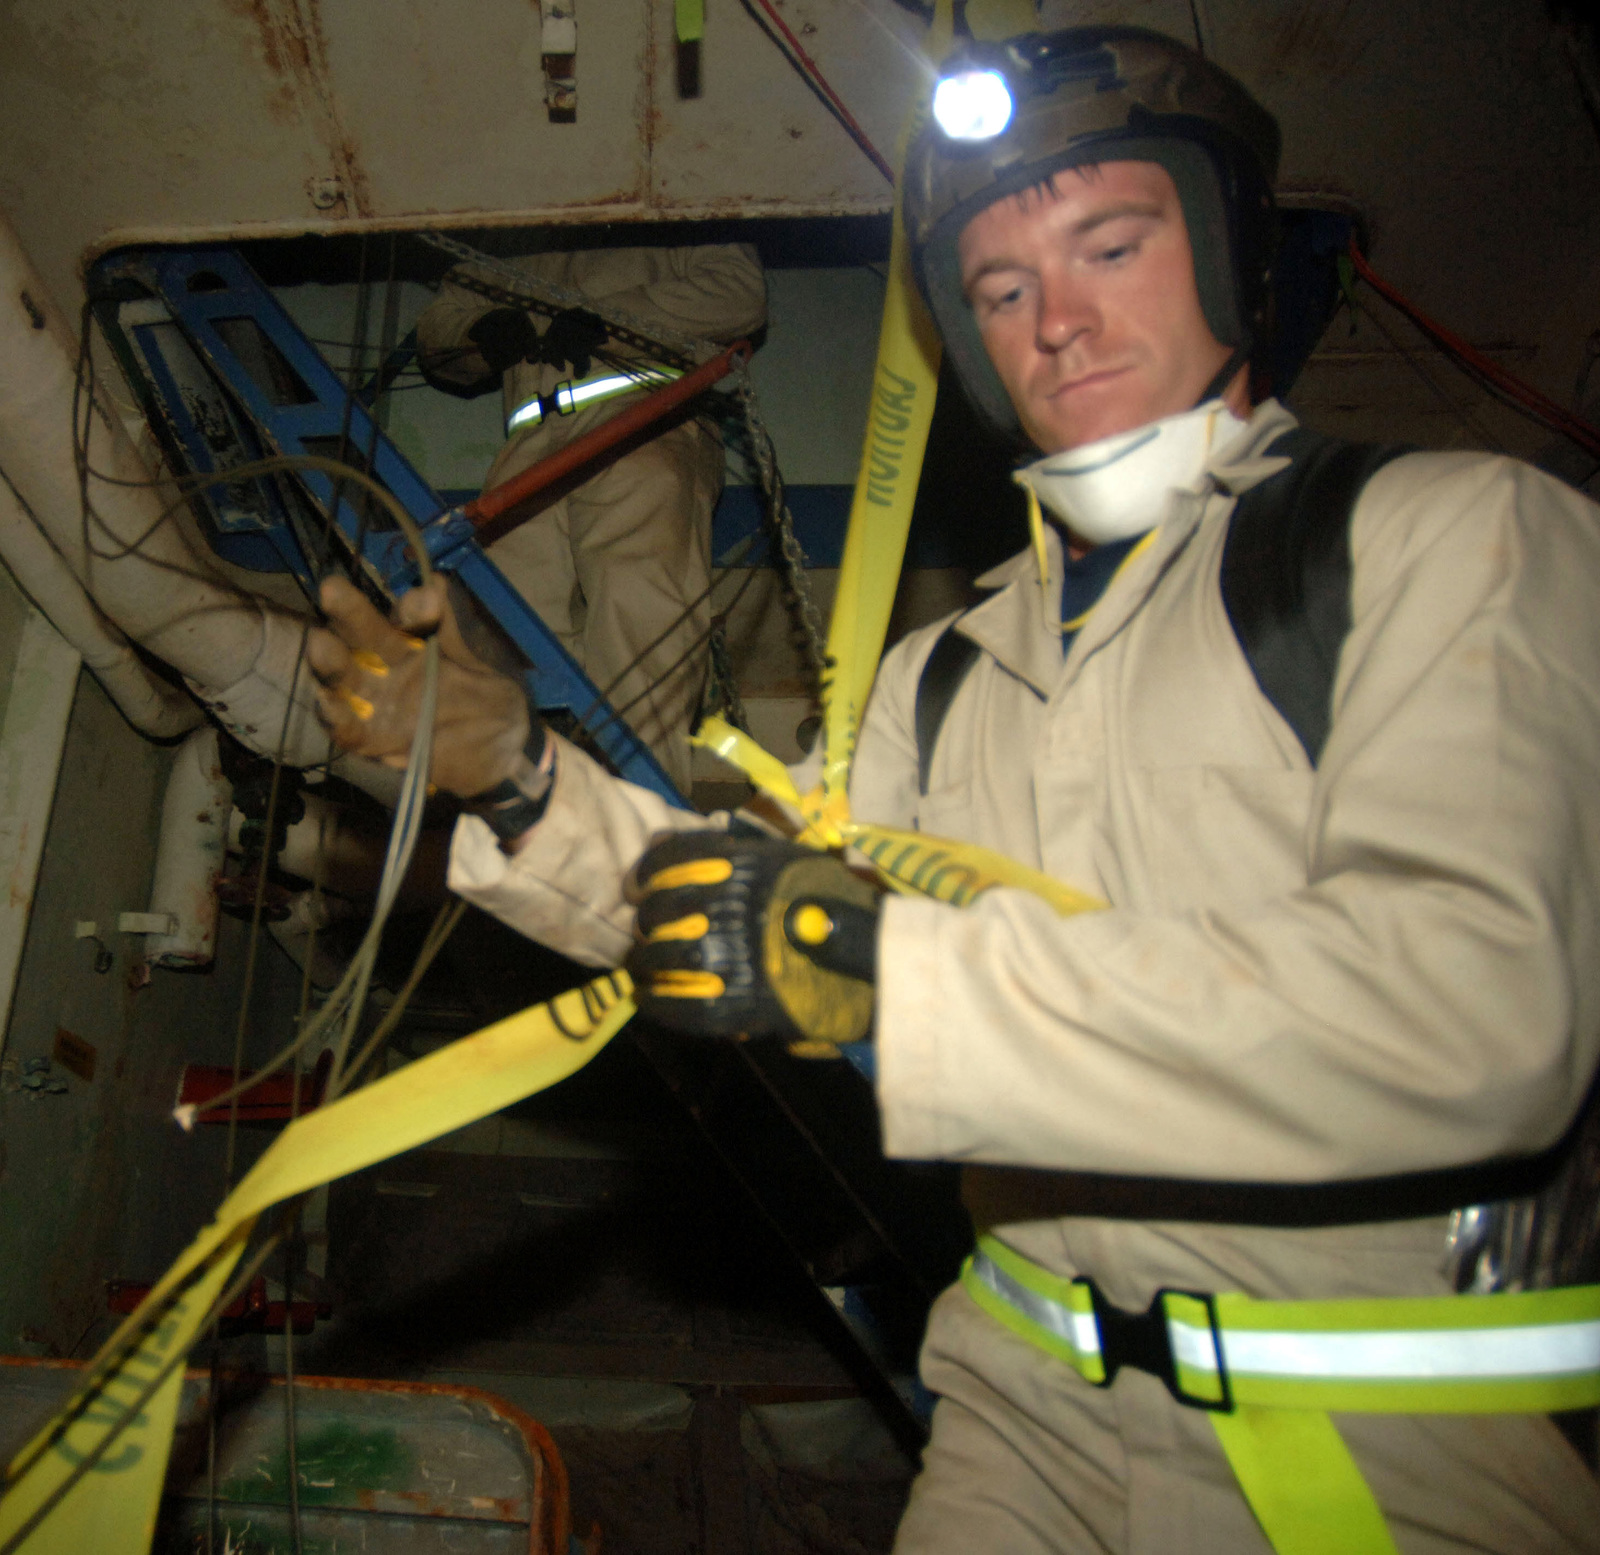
(618, 568)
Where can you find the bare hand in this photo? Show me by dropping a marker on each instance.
(370, 669)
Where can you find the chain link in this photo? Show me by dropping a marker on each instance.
(722, 686)
(797, 586)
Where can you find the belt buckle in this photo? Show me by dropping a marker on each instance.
(1143, 1340)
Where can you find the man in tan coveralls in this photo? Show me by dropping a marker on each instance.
(1374, 958)
(618, 568)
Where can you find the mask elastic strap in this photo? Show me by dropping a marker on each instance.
(1052, 618)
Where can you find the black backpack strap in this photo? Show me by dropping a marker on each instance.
(1286, 573)
(942, 674)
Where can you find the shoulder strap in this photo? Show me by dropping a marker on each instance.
(942, 674)
(1285, 586)
(1286, 573)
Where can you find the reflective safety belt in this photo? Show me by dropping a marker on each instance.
(1269, 1371)
(573, 393)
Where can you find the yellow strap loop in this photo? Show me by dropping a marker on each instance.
(1301, 1482)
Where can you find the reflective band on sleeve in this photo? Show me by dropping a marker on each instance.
(530, 414)
(569, 396)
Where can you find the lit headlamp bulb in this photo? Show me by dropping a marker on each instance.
(972, 104)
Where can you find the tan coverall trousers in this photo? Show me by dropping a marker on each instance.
(619, 570)
(1028, 1459)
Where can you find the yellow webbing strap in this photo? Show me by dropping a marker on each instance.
(1282, 1366)
(1301, 1482)
(903, 386)
(111, 1509)
(689, 17)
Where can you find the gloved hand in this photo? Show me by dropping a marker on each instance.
(573, 336)
(504, 337)
(753, 935)
(488, 746)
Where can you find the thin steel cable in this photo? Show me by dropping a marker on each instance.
(444, 925)
(376, 411)
(292, 1242)
(354, 374)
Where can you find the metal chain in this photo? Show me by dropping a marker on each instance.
(797, 587)
(722, 688)
(523, 290)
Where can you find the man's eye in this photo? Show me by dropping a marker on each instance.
(997, 300)
(1116, 253)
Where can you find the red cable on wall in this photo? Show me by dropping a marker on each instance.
(1587, 437)
(821, 82)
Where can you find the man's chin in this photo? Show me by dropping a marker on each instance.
(1058, 435)
(1062, 423)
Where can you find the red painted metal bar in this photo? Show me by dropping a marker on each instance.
(269, 1100)
(482, 510)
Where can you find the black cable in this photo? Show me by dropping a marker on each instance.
(615, 715)
(386, 339)
(353, 378)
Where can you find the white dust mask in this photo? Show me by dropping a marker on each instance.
(1125, 484)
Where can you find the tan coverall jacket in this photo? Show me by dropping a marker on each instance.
(1389, 964)
(618, 568)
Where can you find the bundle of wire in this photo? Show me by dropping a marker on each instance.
(343, 1007)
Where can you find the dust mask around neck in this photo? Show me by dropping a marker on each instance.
(1125, 484)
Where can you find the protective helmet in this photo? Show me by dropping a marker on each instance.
(1094, 94)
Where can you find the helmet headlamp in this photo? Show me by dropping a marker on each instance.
(972, 104)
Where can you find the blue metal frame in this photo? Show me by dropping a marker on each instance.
(204, 287)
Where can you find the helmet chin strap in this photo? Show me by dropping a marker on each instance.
(1224, 374)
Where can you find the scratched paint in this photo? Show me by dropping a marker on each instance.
(339, 1464)
(294, 49)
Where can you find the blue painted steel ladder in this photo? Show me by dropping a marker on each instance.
(230, 377)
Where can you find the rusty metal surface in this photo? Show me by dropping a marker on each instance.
(213, 118)
(1454, 125)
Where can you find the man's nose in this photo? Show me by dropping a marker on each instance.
(1067, 314)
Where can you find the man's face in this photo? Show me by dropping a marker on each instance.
(1086, 303)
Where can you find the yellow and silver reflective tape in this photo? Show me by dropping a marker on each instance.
(1512, 1353)
(529, 413)
(1060, 1320)
(574, 393)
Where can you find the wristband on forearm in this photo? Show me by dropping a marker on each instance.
(516, 804)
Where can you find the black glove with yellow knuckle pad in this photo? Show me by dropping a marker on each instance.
(742, 934)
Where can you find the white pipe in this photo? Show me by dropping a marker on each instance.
(151, 705)
(160, 593)
(346, 850)
(237, 654)
(31, 742)
(189, 856)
